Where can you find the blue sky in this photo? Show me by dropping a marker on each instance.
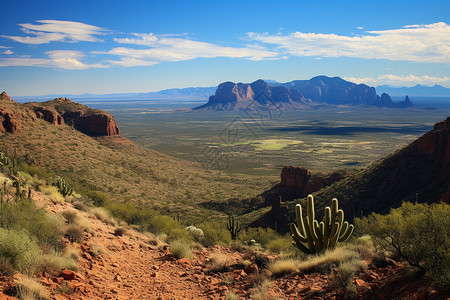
(140, 46)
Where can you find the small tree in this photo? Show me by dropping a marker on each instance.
(419, 233)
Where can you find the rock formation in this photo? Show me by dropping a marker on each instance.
(57, 112)
(259, 94)
(385, 101)
(298, 94)
(334, 91)
(298, 182)
(404, 103)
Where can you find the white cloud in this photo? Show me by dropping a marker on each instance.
(167, 48)
(8, 52)
(416, 43)
(360, 27)
(54, 30)
(401, 80)
(60, 59)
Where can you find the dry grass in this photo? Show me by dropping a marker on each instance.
(284, 266)
(103, 215)
(52, 192)
(218, 262)
(30, 289)
(328, 259)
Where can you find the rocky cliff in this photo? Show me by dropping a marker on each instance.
(57, 112)
(231, 96)
(317, 91)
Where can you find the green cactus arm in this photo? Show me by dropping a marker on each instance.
(333, 236)
(296, 233)
(327, 226)
(299, 218)
(339, 222)
(347, 233)
(302, 248)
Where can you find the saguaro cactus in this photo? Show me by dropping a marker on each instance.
(312, 237)
(233, 227)
(63, 188)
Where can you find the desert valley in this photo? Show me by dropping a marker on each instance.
(147, 159)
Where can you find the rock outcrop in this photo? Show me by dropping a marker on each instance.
(334, 91)
(49, 114)
(59, 111)
(298, 94)
(259, 94)
(298, 182)
(9, 119)
(385, 101)
(404, 103)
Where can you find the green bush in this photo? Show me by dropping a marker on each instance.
(159, 224)
(37, 171)
(130, 213)
(20, 248)
(419, 233)
(25, 216)
(180, 249)
(99, 198)
(262, 236)
(214, 234)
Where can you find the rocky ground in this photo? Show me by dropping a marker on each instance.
(134, 266)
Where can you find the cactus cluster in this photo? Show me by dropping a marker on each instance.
(313, 237)
(11, 166)
(63, 188)
(233, 227)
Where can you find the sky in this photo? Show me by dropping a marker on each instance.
(76, 47)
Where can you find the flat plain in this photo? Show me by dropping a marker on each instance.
(262, 142)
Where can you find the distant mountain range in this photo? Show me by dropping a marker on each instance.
(417, 90)
(318, 91)
(190, 93)
(309, 89)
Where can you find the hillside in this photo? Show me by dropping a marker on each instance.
(115, 165)
(110, 260)
(419, 172)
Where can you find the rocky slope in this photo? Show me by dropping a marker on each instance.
(139, 266)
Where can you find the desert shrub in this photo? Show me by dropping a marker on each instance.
(25, 216)
(130, 213)
(180, 249)
(214, 234)
(98, 249)
(218, 262)
(343, 275)
(364, 246)
(262, 291)
(52, 192)
(283, 266)
(6, 268)
(99, 198)
(29, 288)
(281, 244)
(74, 233)
(103, 215)
(418, 233)
(120, 231)
(33, 181)
(159, 224)
(70, 216)
(36, 171)
(55, 262)
(262, 236)
(20, 249)
(80, 205)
